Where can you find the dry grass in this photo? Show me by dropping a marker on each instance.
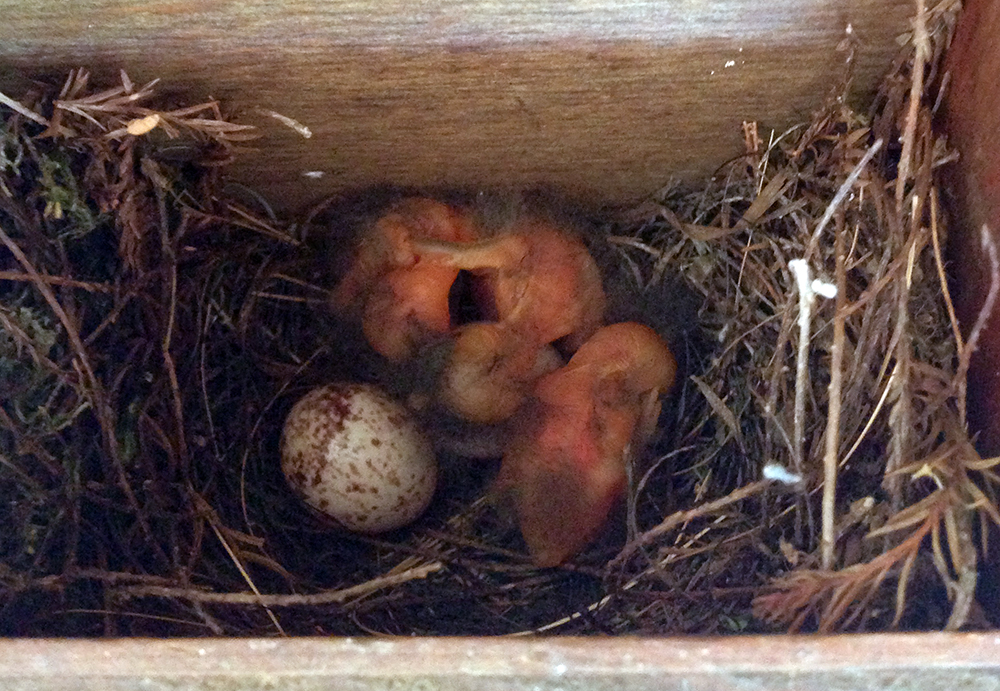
(153, 333)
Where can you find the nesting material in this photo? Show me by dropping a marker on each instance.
(811, 470)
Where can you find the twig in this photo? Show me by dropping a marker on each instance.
(246, 576)
(323, 598)
(841, 194)
(964, 558)
(56, 281)
(965, 355)
(956, 331)
(829, 520)
(803, 281)
(921, 44)
(840, 597)
(679, 517)
(18, 108)
(95, 392)
(883, 397)
(73, 574)
(170, 261)
(288, 298)
(901, 414)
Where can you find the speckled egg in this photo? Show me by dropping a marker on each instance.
(353, 453)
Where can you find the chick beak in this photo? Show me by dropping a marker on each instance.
(401, 296)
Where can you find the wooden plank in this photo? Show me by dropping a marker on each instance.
(973, 121)
(608, 96)
(930, 662)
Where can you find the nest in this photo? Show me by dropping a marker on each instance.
(156, 325)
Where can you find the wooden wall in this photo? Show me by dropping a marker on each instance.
(928, 662)
(609, 96)
(973, 121)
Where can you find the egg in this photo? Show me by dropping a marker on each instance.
(354, 453)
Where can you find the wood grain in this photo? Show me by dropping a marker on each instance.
(973, 122)
(596, 96)
(929, 662)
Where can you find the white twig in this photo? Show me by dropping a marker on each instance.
(803, 280)
(808, 290)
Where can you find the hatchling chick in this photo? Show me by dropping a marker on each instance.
(566, 462)
(539, 284)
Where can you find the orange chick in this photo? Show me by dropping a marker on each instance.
(542, 285)
(490, 371)
(400, 295)
(538, 276)
(408, 307)
(567, 466)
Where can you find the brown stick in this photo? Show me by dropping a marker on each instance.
(679, 517)
(55, 280)
(833, 413)
(257, 599)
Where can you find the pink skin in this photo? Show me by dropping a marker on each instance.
(540, 278)
(401, 296)
(490, 372)
(407, 308)
(542, 285)
(566, 467)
